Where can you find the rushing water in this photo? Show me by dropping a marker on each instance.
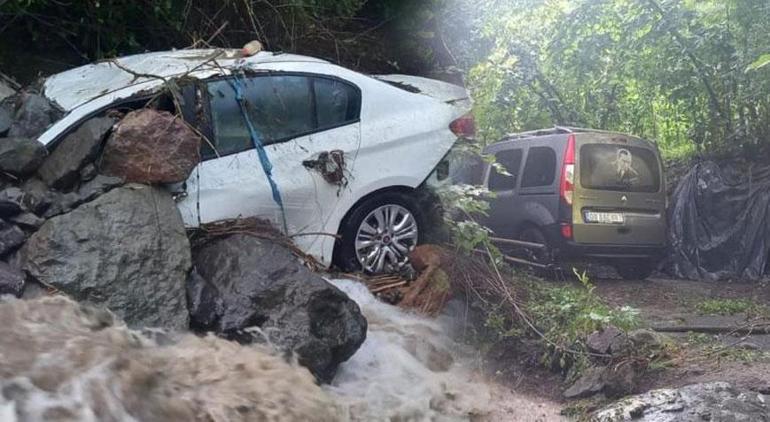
(408, 369)
(60, 361)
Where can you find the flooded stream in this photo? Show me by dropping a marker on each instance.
(410, 369)
(61, 361)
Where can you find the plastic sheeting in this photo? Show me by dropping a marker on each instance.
(719, 226)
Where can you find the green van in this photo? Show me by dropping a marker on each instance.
(583, 193)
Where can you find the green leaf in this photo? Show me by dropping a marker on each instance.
(761, 62)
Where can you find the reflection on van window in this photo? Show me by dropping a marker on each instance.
(619, 168)
(540, 169)
(510, 159)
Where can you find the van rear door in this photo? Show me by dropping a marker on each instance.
(619, 191)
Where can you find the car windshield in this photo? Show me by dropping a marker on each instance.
(619, 168)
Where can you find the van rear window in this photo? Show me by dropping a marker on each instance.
(619, 168)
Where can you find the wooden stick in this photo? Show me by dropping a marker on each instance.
(522, 243)
(714, 329)
(388, 287)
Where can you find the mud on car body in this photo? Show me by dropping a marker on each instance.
(347, 151)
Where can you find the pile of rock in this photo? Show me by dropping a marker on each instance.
(612, 372)
(89, 217)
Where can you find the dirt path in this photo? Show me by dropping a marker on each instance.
(743, 360)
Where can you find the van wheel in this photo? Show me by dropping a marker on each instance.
(635, 270)
(379, 233)
(538, 256)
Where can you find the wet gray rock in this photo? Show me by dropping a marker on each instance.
(11, 202)
(590, 382)
(127, 250)
(11, 237)
(6, 118)
(88, 172)
(33, 117)
(37, 196)
(610, 340)
(61, 170)
(87, 192)
(27, 220)
(11, 280)
(644, 339)
(716, 401)
(244, 282)
(20, 156)
(614, 380)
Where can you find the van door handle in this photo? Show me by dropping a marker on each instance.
(588, 197)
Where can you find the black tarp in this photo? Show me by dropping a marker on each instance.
(718, 222)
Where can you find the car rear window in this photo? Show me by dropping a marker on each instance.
(619, 168)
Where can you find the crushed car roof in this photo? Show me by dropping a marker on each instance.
(78, 86)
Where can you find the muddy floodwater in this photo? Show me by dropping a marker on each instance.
(410, 369)
(65, 362)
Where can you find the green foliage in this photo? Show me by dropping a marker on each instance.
(690, 74)
(568, 314)
(729, 307)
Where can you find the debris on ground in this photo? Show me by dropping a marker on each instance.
(249, 289)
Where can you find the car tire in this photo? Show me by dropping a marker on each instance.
(535, 235)
(635, 270)
(353, 234)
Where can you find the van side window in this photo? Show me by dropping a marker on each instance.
(511, 161)
(540, 169)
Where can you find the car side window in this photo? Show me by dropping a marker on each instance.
(280, 107)
(337, 103)
(540, 169)
(510, 159)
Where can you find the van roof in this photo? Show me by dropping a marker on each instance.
(556, 130)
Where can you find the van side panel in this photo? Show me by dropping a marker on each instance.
(535, 198)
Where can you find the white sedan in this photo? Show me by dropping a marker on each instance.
(346, 152)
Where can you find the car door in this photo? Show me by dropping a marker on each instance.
(297, 117)
(503, 212)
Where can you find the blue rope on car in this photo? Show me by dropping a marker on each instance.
(267, 166)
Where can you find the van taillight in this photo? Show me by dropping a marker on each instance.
(568, 172)
(464, 126)
(567, 187)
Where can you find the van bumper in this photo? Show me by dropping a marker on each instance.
(569, 249)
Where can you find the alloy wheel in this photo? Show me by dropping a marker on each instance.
(385, 238)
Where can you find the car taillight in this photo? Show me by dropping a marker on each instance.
(464, 126)
(567, 187)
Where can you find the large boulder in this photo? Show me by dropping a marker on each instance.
(61, 170)
(33, 116)
(151, 146)
(21, 156)
(717, 401)
(126, 250)
(243, 282)
(11, 280)
(11, 237)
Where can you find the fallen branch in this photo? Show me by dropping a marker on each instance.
(716, 329)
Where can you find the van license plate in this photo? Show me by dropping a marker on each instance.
(604, 217)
